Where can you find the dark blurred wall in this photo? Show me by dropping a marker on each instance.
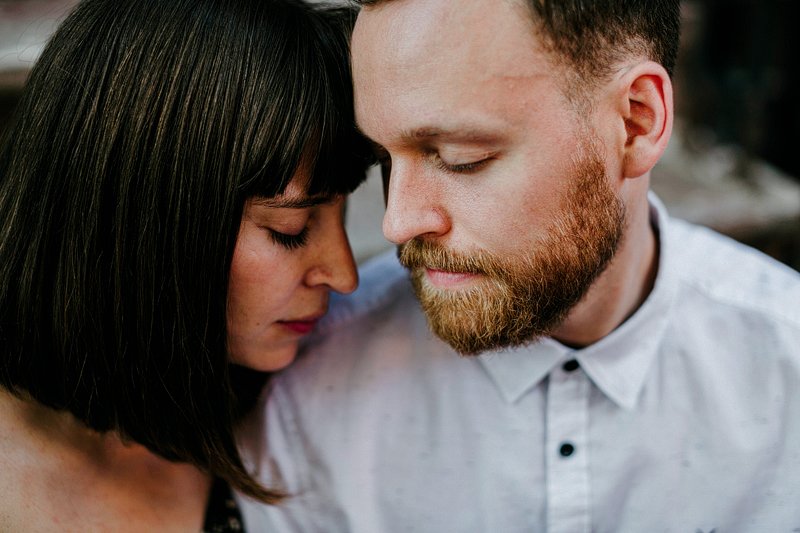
(9, 96)
(738, 75)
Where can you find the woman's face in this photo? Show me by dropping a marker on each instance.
(291, 251)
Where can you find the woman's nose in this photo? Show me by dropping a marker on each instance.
(333, 261)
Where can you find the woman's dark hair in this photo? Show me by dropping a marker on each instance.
(143, 129)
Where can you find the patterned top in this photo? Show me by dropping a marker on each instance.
(222, 513)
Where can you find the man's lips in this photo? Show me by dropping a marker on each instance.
(449, 280)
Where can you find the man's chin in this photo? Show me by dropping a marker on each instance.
(474, 319)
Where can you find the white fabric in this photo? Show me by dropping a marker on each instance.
(684, 419)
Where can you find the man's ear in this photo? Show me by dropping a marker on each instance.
(646, 106)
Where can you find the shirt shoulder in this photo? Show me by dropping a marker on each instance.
(733, 274)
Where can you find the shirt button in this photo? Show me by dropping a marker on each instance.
(570, 366)
(566, 449)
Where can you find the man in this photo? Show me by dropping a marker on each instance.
(622, 371)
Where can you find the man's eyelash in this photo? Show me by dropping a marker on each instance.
(290, 242)
(463, 168)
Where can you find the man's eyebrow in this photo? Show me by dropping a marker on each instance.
(293, 203)
(465, 135)
(423, 134)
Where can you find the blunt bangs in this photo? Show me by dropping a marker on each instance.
(310, 128)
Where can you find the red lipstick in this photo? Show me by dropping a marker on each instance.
(300, 326)
(303, 325)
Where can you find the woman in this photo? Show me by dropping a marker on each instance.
(171, 202)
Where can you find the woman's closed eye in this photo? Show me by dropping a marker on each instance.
(290, 241)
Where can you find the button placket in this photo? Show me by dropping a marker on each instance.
(566, 449)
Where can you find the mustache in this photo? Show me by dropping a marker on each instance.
(416, 254)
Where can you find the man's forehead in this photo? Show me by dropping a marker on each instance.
(399, 32)
(413, 32)
(427, 68)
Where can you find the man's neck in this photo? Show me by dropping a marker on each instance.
(622, 288)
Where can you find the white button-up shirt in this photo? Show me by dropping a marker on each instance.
(686, 418)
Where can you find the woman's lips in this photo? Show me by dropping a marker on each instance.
(449, 280)
(301, 326)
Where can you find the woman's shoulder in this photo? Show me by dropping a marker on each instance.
(60, 475)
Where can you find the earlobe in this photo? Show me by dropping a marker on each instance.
(648, 117)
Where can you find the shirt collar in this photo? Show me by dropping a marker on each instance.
(618, 363)
(515, 371)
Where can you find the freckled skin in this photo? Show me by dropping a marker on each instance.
(271, 284)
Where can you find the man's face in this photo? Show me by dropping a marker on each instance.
(497, 191)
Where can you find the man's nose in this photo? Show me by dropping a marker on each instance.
(414, 207)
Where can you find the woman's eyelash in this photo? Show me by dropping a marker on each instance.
(290, 242)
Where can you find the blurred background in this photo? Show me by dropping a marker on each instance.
(733, 161)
